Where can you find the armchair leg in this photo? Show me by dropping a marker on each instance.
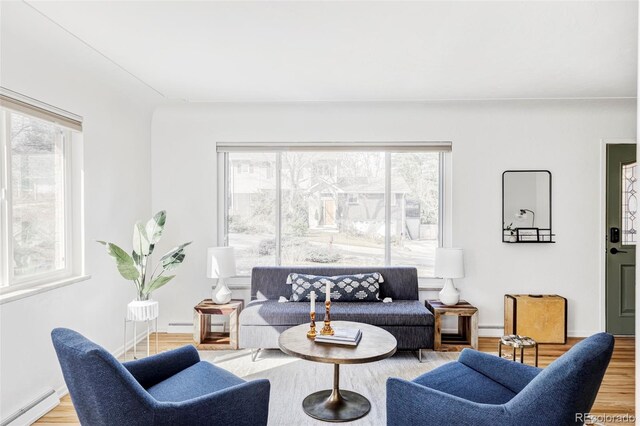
(420, 355)
(254, 354)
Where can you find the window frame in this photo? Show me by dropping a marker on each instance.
(444, 195)
(71, 142)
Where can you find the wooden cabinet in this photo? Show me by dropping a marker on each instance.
(541, 317)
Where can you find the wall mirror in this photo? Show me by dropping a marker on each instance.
(526, 206)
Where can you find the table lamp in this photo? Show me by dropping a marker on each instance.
(449, 264)
(221, 264)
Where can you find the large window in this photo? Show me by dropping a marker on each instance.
(36, 232)
(323, 206)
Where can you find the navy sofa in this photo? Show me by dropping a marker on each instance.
(481, 389)
(171, 388)
(264, 318)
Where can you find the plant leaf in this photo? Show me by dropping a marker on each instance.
(155, 227)
(173, 251)
(141, 243)
(157, 283)
(124, 262)
(172, 262)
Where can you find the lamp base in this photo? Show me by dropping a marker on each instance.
(221, 294)
(449, 295)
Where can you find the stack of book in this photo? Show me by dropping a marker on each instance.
(341, 336)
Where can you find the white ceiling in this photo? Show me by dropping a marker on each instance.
(364, 51)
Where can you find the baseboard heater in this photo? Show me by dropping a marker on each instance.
(187, 327)
(31, 412)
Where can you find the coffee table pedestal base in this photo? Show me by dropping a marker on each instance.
(335, 405)
(349, 406)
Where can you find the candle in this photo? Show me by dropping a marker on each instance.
(328, 298)
(313, 302)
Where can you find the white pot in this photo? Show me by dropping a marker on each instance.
(221, 294)
(449, 295)
(142, 310)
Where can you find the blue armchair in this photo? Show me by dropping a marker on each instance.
(482, 389)
(171, 388)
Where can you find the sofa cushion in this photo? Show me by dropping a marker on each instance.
(200, 379)
(399, 313)
(459, 380)
(344, 288)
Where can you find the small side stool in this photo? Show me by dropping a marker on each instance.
(141, 311)
(518, 342)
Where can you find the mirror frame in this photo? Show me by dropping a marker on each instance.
(551, 234)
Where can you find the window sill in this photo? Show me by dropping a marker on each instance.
(11, 296)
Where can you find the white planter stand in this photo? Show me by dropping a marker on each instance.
(137, 311)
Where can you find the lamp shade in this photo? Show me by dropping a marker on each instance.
(449, 263)
(221, 262)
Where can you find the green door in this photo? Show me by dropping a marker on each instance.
(623, 224)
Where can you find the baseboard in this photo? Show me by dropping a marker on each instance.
(498, 331)
(180, 328)
(120, 349)
(187, 327)
(34, 410)
(490, 331)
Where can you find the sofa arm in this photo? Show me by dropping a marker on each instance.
(412, 404)
(246, 404)
(156, 368)
(512, 375)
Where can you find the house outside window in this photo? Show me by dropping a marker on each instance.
(333, 207)
(40, 241)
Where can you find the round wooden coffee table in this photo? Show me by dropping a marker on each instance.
(336, 405)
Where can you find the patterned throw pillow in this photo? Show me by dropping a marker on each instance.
(344, 288)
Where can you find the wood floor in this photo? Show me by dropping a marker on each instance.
(616, 394)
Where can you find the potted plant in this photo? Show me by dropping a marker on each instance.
(135, 266)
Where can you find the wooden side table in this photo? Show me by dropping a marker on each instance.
(205, 338)
(467, 335)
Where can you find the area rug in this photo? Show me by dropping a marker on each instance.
(292, 379)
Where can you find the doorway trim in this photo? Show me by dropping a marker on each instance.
(602, 246)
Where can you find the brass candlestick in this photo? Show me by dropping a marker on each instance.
(327, 330)
(312, 327)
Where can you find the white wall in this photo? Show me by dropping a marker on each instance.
(488, 138)
(42, 61)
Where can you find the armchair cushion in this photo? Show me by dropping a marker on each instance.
(399, 313)
(200, 379)
(459, 380)
(409, 403)
(512, 375)
(156, 368)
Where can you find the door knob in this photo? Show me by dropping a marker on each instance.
(616, 251)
